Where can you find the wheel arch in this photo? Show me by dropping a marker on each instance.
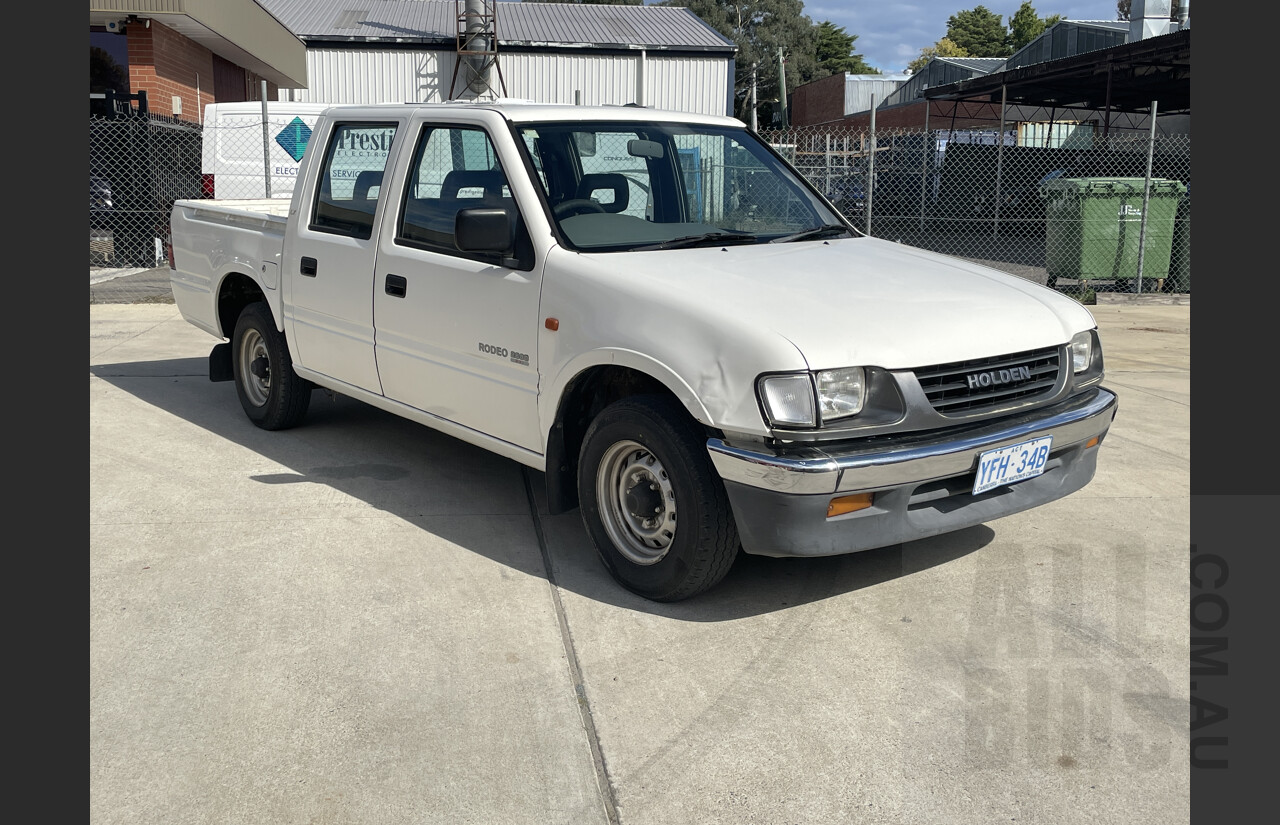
(580, 399)
(235, 292)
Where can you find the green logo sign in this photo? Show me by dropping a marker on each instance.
(293, 138)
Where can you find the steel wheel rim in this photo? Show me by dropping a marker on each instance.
(637, 502)
(252, 347)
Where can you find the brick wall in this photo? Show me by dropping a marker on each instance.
(166, 64)
(911, 116)
(818, 102)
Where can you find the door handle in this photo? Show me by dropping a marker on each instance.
(309, 267)
(396, 286)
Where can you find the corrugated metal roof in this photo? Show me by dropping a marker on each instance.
(527, 24)
(1064, 38)
(1070, 37)
(979, 64)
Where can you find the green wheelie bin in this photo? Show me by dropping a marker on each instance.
(1093, 226)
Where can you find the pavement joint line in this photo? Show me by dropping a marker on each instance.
(1151, 393)
(603, 781)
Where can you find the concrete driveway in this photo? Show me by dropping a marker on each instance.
(363, 621)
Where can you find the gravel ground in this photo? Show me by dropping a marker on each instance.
(130, 286)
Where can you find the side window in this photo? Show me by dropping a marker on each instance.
(351, 178)
(454, 168)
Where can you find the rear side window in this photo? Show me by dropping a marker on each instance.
(351, 179)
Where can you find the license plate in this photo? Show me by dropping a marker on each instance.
(1007, 465)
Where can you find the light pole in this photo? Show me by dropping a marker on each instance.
(782, 86)
(753, 97)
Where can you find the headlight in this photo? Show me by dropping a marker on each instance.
(1081, 350)
(789, 400)
(841, 393)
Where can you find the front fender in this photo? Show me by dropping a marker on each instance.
(549, 400)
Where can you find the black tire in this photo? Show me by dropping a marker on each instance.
(272, 394)
(645, 454)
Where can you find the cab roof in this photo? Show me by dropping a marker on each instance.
(528, 111)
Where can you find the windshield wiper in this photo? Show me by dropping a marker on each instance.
(698, 240)
(813, 234)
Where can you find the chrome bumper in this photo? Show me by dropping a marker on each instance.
(913, 459)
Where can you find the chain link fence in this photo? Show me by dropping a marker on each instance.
(1059, 205)
(138, 166)
(1062, 206)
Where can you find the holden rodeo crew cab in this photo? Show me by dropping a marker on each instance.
(659, 313)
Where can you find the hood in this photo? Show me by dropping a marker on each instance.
(860, 301)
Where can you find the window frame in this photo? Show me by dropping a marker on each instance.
(523, 244)
(322, 212)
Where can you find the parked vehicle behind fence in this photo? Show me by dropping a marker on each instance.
(237, 158)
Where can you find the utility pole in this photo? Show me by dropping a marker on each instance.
(753, 97)
(782, 86)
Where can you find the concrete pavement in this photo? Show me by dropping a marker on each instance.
(363, 621)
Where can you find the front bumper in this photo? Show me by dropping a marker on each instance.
(921, 482)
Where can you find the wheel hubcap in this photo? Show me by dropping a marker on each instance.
(255, 367)
(637, 502)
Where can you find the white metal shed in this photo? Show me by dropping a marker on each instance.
(400, 51)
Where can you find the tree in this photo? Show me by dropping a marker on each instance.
(980, 32)
(1025, 26)
(834, 51)
(759, 28)
(105, 73)
(943, 48)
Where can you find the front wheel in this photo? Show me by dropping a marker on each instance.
(272, 394)
(651, 500)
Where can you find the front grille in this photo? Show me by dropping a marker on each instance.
(963, 387)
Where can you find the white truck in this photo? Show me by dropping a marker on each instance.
(658, 313)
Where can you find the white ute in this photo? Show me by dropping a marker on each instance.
(656, 311)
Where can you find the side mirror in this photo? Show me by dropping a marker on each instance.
(484, 229)
(488, 231)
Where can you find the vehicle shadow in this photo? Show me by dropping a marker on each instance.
(480, 501)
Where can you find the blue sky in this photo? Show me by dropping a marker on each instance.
(891, 34)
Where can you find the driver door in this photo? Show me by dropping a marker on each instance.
(456, 333)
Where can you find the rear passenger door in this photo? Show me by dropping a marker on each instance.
(329, 265)
(456, 331)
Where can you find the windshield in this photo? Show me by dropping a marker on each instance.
(615, 186)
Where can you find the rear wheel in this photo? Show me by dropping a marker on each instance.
(272, 394)
(651, 501)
